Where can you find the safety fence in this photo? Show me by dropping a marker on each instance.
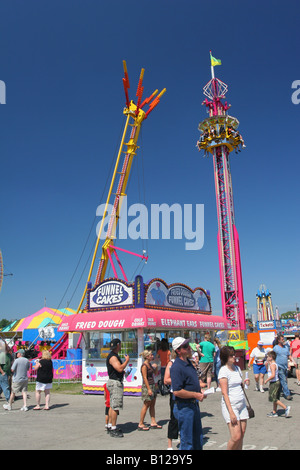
(64, 371)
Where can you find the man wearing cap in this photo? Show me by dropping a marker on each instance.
(20, 380)
(115, 369)
(187, 393)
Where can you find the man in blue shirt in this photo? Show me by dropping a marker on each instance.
(282, 356)
(187, 393)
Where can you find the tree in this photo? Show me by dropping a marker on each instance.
(286, 315)
(4, 323)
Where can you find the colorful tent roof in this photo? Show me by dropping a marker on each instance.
(45, 316)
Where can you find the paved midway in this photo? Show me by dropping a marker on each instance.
(76, 422)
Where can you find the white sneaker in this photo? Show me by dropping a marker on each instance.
(170, 448)
(287, 411)
(24, 408)
(218, 389)
(262, 390)
(7, 407)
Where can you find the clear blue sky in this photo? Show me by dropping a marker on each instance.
(59, 130)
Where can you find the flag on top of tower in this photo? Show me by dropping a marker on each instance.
(214, 61)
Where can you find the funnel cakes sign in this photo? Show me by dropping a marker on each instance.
(111, 294)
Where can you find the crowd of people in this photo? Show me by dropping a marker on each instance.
(188, 372)
(14, 367)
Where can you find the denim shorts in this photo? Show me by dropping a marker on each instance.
(259, 369)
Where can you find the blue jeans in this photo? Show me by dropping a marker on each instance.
(5, 386)
(282, 373)
(189, 423)
(217, 367)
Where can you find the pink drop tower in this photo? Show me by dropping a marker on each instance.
(219, 136)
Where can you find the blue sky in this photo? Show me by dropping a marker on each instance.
(61, 124)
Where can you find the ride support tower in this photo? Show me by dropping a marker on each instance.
(219, 136)
(135, 116)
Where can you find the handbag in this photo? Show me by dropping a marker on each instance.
(249, 407)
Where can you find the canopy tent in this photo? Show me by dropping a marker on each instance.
(29, 326)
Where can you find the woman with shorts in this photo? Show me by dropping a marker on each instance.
(44, 377)
(259, 356)
(234, 406)
(148, 392)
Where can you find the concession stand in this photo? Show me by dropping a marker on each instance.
(140, 315)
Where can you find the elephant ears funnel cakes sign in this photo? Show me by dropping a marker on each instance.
(177, 296)
(116, 294)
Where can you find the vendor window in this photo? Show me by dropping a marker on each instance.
(98, 344)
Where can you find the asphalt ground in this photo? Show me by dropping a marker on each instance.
(76, 422)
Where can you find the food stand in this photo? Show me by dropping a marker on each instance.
(139, 315)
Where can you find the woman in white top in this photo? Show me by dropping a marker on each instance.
(234, 406)
(274, 388)
(258, 357)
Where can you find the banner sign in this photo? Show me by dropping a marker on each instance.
(110, 294)
(177, 297)
(113, 294)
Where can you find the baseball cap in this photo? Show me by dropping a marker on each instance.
(179, 341)
(261, 343)
(21, 351)
(114, 343)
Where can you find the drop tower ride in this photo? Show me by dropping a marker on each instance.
(219, 137)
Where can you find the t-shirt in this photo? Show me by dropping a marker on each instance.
(184, 377)
(20, 368)
(270, 373)
(295, 346)
(164, 357)
(150, 374)
(282, 354)
(45, 371)
(113, 374)
(259, 356)
(208, 349)
(6, 366)
(234, 378)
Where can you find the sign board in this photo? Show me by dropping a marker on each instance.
(176, 297)
(110, 294)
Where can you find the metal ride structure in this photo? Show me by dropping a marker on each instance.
(219, 136)
(264, 305)
(135, 115)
